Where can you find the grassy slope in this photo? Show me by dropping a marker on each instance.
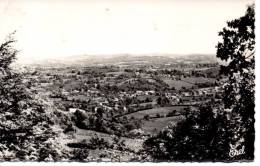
(152, 112)
(153, 126)
(178, 84)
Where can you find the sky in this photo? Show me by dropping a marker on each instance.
(57, 28)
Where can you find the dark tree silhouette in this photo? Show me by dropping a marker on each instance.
(25, 130)
(7, 54)
(237, 48)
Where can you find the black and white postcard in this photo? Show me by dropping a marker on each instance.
(127, 80)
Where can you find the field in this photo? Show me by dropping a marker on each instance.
(199, 80)
(153, 126)
(187, 82)
(163, 111)
(177, 84)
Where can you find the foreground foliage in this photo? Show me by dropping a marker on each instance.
(238, 50)
(25, 127)
(202, 136)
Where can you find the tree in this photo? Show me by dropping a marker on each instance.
(163, 101)
(237, 48)
(201, 137)
(79, 155)
(25, 126)
(147, 117)
(7, 54)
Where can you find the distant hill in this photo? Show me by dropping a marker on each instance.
(123, 59)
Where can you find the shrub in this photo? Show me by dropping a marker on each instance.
(98, 143)
(79, 154)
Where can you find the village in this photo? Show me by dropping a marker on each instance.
(126, 102)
